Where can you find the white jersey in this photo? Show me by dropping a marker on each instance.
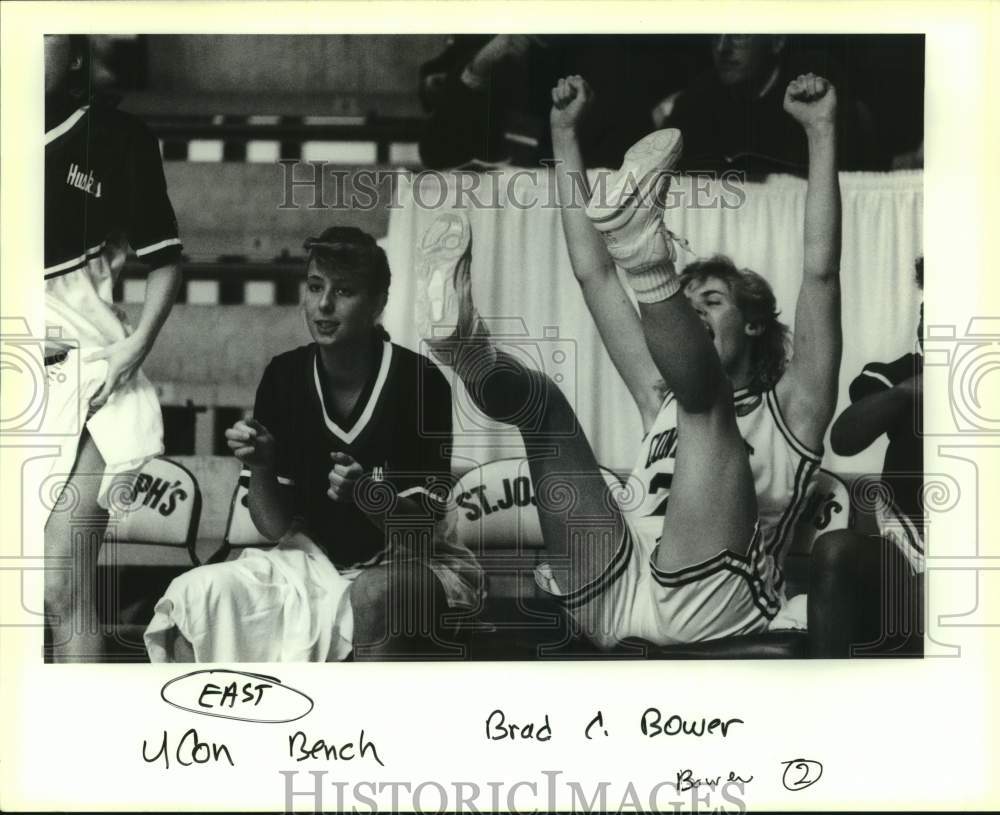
(783, 470)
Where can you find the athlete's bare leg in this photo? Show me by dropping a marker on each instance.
(397, 611)
(580, 521)
(179, 647)
(864, 600)
(73, 536)
(713, 503)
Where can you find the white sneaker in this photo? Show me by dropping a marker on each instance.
(627, 208)
(442, 248)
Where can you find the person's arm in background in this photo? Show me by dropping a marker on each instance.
(500, 49)
(436, 74)
(909, 159)
(151, 230)
(876, 407)
(663, 113)
(469, 104)
(616, 318)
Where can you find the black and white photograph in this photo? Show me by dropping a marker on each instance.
(537, 347)
(572, 375)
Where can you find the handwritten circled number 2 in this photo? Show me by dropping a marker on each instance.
(801, 773)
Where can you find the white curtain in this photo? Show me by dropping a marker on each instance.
(521, 273)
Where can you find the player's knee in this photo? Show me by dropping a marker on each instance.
(546, 407)
(368, 590)
(370, 597)
(179, 647)
(838, 552)
(519, 395)
(397, 591)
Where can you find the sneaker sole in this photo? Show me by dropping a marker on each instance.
(643, 175)
(443, 245)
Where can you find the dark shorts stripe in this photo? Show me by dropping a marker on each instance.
(615, 569)
(744, 566)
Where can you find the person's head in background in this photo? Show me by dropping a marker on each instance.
(347, 287)
(67, 65)
(747, 62)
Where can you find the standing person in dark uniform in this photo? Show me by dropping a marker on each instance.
(104, 194)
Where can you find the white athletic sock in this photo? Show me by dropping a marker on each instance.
(654, 283)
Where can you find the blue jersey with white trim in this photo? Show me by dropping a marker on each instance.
(400, 432)
(783, 470)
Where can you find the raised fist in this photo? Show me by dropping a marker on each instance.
(811, 100)
(571, 100)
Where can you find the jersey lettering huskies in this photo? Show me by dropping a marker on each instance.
(104, 179)
(104, 192)
(783, 470)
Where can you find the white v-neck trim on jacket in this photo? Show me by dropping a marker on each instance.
(349, 435)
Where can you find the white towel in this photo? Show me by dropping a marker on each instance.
(286, 604)
(793, 615)
(128, 429)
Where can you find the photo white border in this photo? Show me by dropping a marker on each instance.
(897, 735)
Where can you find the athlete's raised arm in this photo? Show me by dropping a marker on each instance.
(616, 318)
(807, 392)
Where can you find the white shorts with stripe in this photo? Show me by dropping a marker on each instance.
(127, 430)
(726, 595)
